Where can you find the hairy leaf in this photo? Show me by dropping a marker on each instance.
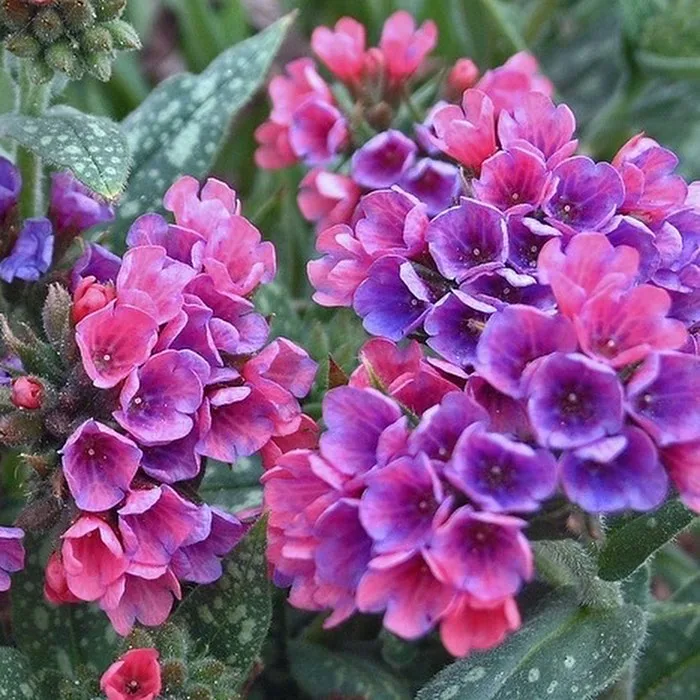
(16, 682)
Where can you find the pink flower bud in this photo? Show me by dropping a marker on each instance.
(90, 295)
(27, 392)
(134, 676)
(56, 589)
(463, 76)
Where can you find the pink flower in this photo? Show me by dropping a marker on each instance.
(93, 557)
(467, 133)
(318, 131)
(404, 47)
(134, 676)
(304, 437)
(274, 150)
(342, 50)
(56, 589)
(11, 554)
(89, 296)
(327, 198)
(288, 92)
(113, 341)
(682, 462)
(27, 392)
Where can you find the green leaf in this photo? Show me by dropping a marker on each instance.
(670, 667)
(234, 487)
(180, 127)
(637, 587)
(673, 67)
(689, 592)
(15, 676)
(61, 637)
(231, 618)
(322, 673)
(563, 653)
(631, 541)
(92, 148)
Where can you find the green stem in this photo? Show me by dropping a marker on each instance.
(32, 103)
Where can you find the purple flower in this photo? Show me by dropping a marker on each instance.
(573, 401)
(505, 414)
(173, 461)
(182, 244)
(11, 554)
(401, 505)
(10, 187)
(484, 554)
(615, 474)
(526, 238)
(385, 302)
(355, 419)
(404, 586)
(154, 523)
(628, 231)
(501, 474)
(587, 194)
(663, 397)
(513, 338)
(97, 262)
(99, 465)
(74, 208)
(32, 253)
(455, 325)
(159, 400)
(191, 330)
(199, 559)
(515, 180)
(383, 160)
(318, 131)
(434, 182)
(468, 239)
(506, 286)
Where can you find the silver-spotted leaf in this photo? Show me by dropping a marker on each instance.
(16, 681)
(93, 148)
(322, 673)
(180, 127)
(564, 652)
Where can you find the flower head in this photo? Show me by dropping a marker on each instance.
(134, 676)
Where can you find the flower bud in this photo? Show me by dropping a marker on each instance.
(15, 14)
(96, 39)
(124, 36)
(109, 9)
(27, 392)
(47, 26)
(463, 76)
(99, 65)
(55, 587)
(174, 674)
(62, 57)
(23, 45)
(89, 296)
(78, 14)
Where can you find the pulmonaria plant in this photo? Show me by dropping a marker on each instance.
(167, 365)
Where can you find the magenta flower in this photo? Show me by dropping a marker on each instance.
(505, 414)
(391, 222)
(327, 198)
(174, 461)
(11, 554)
(274, 150)
(114, 341)
(159, 400)
(404, 586)
(191, 330)
(383, 160)
(500, 474)
(526, 238)
(404, 47)
(154, 523)
(99, 465)
(514, 180)
(134, 676)
(483, 554)
(615, 474)
(535, 121)
(74, 208)
(289, 91)
(93, 557)
(467, 133)
(341, 270)
(506, 286)
(433, 182)
(32, 253)
(630, 232)
(513, 338)
(341, 49)
(573, 401)
(318, 131)
(587, 194)
(181, 244)
(468, 239)
(401, 505)
(663, 397)
(96, 262)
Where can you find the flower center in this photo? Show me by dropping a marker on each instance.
(132, 687)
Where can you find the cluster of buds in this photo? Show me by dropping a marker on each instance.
(73, 37)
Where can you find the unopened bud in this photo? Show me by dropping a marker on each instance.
(62, 57)
(15, 14)
(78, 14)
(463, 76)
(23, 45)
(96, 39)
(380, 116)
(47, 25)
(27, 392)
(90, 296)
(99, 65)
(174, 674)
(124, 36)
(39, 71)
(199, 692)
(374, 63)
(108, 9)
(55, 586)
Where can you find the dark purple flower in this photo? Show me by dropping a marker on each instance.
(383, 159)
(173, 461)
(11, 554)
(573, 401)
(505, 414)
(99, 465)
(10, 187)
(182, 244)
(663, 396)
(32, 253)
(74, 208)
(626, 230)
(587, 194)
(455, 325)
(513, 338)
(506, 286)
(501, 474)
(159, 400)
(434, 182)
(615, 474)
(468, 239)
(513, 180)
(402, 504)
(526, 238)
(318, 131)
(190, 330)
(484, 554)
(97, 262)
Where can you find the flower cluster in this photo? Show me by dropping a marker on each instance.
(172, 366)
(409, 505)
